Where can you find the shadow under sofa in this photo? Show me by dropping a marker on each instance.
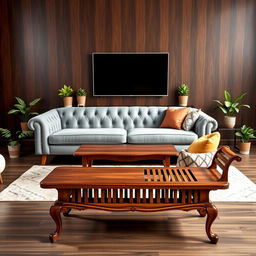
(61, 131)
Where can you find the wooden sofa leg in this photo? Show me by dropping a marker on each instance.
(43, 159)
(1, 179)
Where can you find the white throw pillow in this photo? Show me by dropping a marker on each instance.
(190, 119)
(186, 159)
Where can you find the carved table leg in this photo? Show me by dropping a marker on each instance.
(66, 212)
(55, 213)
(212, 213)
(202, 212)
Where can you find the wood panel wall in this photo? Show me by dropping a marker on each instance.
(47, 43)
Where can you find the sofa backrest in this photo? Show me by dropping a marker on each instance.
(112, 117)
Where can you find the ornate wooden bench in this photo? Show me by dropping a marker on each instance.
(139, 189)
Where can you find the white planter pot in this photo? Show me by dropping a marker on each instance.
(229, 121)
(14, 151)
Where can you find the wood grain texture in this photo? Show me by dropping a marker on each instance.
(47, 43)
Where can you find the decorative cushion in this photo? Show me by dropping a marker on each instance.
(186, 159)
(205, 144)
(190, 119)
(174, 118)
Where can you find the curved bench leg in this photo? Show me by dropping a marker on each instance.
(55, 211)
(212, 213)
(66, 212)
(202, 212)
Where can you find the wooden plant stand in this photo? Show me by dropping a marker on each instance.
(139, 189)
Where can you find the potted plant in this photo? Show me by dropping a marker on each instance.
(183, 91)
(66, 92)
(246, 133)
(81, 97)
(24, 110)
(230, 107)
(13, 140)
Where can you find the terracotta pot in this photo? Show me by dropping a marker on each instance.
(183, 101)
(229, 121)
(24, 126)
(244, 148)
(81, 101)
(14, 151)
(68, 101)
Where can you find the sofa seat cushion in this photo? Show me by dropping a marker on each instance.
(88, 136)
(161, 136)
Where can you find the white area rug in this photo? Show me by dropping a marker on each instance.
(27, 187)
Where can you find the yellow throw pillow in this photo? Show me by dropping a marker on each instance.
(205, 144)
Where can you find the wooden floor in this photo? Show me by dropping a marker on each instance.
(24, 226)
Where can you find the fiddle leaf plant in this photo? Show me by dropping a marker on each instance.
(246, 133)
(183, 90)
(24, 109)
(230, 106)
(65, 91)
(14, 137)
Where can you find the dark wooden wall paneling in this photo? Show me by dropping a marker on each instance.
(46, 43)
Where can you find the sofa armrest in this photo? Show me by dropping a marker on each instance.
(205, 125)
(44, 125)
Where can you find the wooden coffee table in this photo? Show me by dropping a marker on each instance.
(126, 152)
(139, 189)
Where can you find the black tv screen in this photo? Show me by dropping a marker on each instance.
(130, 74)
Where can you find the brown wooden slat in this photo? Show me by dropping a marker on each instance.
(114, 195)
(95, 200)
(195, 196)
(175, 196)
(149, 176)
(222, 157)
(79, 196)
(158, 196)
(160, 175)
(189, 175)
(154, 175)
(166, 198)
(121, 196)
(73, 196)
(144, 196)
(131, 196)
(103, 195)
(166, 175)
(189, 196)
(137, 196)
(183, 196)
(151, 196)
(177, 175)
(169, 171)
(220, 164)
(109, 195)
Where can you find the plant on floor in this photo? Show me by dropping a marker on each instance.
(66, 92)
(183, 92)
(246, 133)
(24, 110)
(13, 140)
(230, 107)
(81, 97)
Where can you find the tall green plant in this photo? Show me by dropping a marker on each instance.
(230, 106)
(14, 137)
(246, 133)
(24, 109)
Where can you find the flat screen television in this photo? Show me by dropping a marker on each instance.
(130, 74)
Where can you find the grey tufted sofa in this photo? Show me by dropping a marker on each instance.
(62, 130)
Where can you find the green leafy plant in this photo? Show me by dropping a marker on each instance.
(14, 137)
(246, 133)
(183, 90)
(24, 109)
(81, 92)
(66, 91)
(230, 106)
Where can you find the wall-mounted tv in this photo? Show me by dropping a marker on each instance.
(130, 74)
